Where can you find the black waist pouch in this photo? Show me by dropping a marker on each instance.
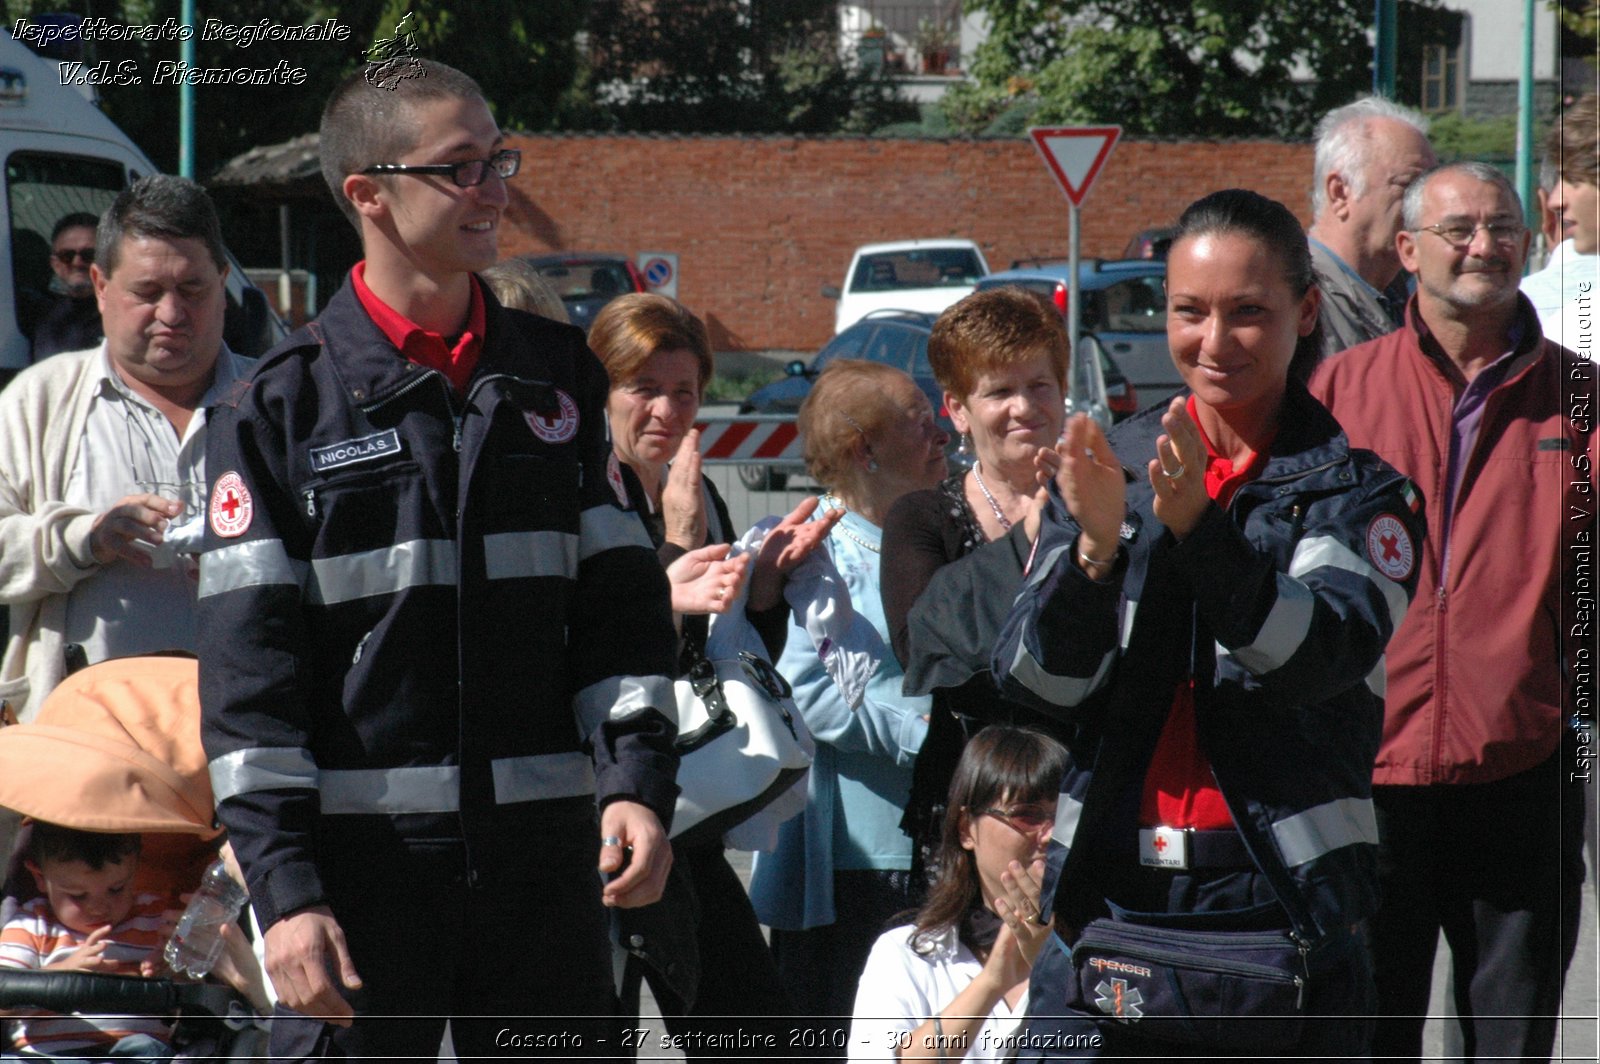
(1243, 990)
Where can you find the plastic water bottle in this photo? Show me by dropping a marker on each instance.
(196, 945)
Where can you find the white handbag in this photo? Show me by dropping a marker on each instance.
(742, 742)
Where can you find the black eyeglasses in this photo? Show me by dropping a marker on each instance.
(83, 255)
(1459, 235)
(465, 175)
(1027, 819)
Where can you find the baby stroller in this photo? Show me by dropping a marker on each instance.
(116, 748)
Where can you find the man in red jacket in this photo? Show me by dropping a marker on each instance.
(1479, 810)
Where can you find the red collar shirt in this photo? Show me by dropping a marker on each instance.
(456, 358)
(1179, 789)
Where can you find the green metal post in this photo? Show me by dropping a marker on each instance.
(1525, 114)
(1383, 50)
(186, 97)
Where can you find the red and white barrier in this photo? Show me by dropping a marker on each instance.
(753, 438)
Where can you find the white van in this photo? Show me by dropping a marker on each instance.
(921, 275)
(62, 155)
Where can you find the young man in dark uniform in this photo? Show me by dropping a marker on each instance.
(417, 683)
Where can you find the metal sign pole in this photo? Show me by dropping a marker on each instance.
(1074, 306)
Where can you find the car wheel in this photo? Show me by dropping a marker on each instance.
(762, 478)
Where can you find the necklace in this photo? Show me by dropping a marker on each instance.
(844, 529)
(999, 514)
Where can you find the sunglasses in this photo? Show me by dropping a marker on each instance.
(83, 255)
(1027, 819)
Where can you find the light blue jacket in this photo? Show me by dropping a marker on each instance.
(862, 774)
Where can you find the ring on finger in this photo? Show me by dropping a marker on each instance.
(1170, 475)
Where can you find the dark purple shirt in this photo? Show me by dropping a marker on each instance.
(1467, 417)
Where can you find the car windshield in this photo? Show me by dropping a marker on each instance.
(917, 268)
(577, 281)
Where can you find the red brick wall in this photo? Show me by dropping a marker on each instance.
(761, 224)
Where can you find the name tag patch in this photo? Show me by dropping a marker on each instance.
(350, 452)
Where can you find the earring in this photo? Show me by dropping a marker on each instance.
(963, 447)
(872, 465)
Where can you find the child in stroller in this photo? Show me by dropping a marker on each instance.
(115, 752)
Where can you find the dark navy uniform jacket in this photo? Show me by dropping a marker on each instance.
(430, 625)
(1280, 607)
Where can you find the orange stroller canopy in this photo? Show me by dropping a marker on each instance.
(116, 747)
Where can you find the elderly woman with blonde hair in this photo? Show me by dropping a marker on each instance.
(841, 871)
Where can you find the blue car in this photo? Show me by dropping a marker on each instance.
(1124, 305)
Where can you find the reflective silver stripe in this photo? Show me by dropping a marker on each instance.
(1281, 634)
(1057, 690)
(621, 697)
(264, 768)
(509, 555)
(1068, 810)
(1378, 678)
(542, 777)
(1129, 608)
(1325, 828)
(259, 563)
(416, 789)
(1042, 566)
(604, 528)
(416, 563)
(1318, 551)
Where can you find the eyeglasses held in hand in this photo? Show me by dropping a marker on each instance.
(465, 175)
(1459, 235)
(83, 255)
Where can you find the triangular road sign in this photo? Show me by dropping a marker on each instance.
(1075, 154)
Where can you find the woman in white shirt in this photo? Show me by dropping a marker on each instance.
(953, 983)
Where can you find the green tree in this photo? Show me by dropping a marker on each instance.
(1206, 67)
(726, 66)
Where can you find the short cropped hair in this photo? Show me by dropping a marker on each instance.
(159, 206)
(632, 327)
(849, 403)
(52, 842)
(75, 220)
(1411, 206)
(994, 328)
(365, 124)
(1571, 147)
(516, 284)
(1344, 141)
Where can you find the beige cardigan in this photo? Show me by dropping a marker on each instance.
(44, 543)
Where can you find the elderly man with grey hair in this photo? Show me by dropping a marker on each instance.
(1479, 812)
(1367, 153)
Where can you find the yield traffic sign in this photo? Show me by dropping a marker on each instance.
(1075, 154)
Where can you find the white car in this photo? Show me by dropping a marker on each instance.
(925, 275)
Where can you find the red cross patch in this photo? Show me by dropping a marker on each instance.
(231, 507)
(556, 428)
(1389, 547)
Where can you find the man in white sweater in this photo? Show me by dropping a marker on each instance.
(102, 479)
